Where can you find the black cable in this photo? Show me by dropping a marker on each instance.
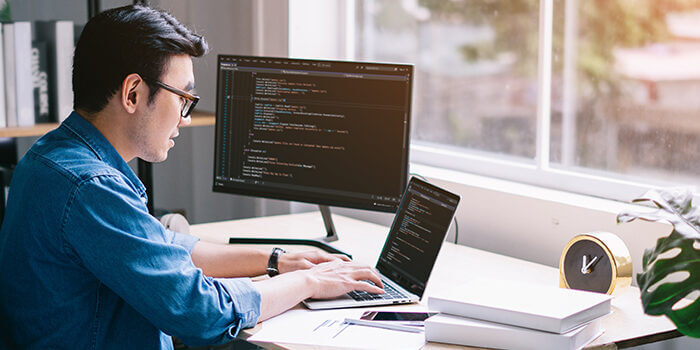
(454, 218)
(93, 8)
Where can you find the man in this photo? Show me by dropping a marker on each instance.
(83, 264)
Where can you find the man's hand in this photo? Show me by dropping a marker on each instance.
(338, 277)
(321, 281)
(291, 261)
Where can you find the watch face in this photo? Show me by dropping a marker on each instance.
(587, 267)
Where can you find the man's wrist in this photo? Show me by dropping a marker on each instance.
(310, 282)
(273, 262)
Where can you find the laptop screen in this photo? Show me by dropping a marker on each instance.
(416, 235)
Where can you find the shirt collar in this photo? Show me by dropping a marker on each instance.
(101, 147)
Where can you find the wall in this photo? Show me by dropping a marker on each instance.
(74, 10)
(24, 10)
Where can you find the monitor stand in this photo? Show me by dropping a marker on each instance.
(331, 236)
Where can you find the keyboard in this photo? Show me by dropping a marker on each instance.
(389, 293)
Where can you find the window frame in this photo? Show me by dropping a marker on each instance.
(540, 171)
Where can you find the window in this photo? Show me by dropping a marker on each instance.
(476, 68)
(597, 97)
(625, 88)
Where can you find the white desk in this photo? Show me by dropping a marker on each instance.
(456, 264)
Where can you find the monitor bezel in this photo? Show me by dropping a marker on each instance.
(305, 196)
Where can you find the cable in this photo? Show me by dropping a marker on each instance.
(454, 218)
(456, 229)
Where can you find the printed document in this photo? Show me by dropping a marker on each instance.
(326, 328)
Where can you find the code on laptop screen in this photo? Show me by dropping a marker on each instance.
(417, 234)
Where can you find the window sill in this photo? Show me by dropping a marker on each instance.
(520, 189)
(535, 223)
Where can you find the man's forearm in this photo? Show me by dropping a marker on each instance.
(283, 292)
(219, 260)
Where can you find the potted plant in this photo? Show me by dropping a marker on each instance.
(675, 207)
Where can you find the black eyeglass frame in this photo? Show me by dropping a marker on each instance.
(190, 99)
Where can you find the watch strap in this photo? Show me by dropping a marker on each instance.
(273, 262)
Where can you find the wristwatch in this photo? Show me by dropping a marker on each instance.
(272, 266)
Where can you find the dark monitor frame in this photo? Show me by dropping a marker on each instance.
(322, 199)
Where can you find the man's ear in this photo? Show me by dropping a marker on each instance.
(133, 92)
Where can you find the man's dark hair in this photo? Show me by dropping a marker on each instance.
(122, 41)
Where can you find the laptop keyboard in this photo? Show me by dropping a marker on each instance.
(389, 293)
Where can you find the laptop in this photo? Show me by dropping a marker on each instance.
(410, 250)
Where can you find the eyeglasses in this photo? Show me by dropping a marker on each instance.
(190, 100)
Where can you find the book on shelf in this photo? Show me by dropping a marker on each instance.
(545, 308)
(3, 112)
(452, 329)
(8, 33)
(59, 38)
(40, 82)
(19, 97)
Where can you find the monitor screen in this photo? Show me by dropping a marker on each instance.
(325, 132)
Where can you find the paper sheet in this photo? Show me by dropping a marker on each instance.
(326, 328)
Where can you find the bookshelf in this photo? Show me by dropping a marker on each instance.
(145, 172)
(198, 119)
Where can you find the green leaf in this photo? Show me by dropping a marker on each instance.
(675, 207)
(5, 14)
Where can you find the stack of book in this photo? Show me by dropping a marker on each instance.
(505, 315)
(35, 72)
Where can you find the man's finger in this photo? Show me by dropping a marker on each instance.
(307, 264)
(318, 257)
(367, 273)
(364, 286)
(342, 257)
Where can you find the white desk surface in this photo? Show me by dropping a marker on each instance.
(455, 265)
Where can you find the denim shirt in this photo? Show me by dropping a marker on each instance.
(84, 266)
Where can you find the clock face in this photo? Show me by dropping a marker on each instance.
(587, 267)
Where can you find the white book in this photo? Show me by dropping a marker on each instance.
(3, 116)
(8, 30)
(546, 308)
(24, 81)
(59, 36)
(19, 94)
(467, 331)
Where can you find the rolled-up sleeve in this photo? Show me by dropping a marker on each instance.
(183, 240)
(108, 230)
(248, 306)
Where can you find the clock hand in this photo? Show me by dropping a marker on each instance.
(590, 264)
(586, 268)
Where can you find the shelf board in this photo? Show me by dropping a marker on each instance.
(198, 119)
(202, 119)
(35, 130)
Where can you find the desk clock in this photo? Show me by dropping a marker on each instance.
(597, 262)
